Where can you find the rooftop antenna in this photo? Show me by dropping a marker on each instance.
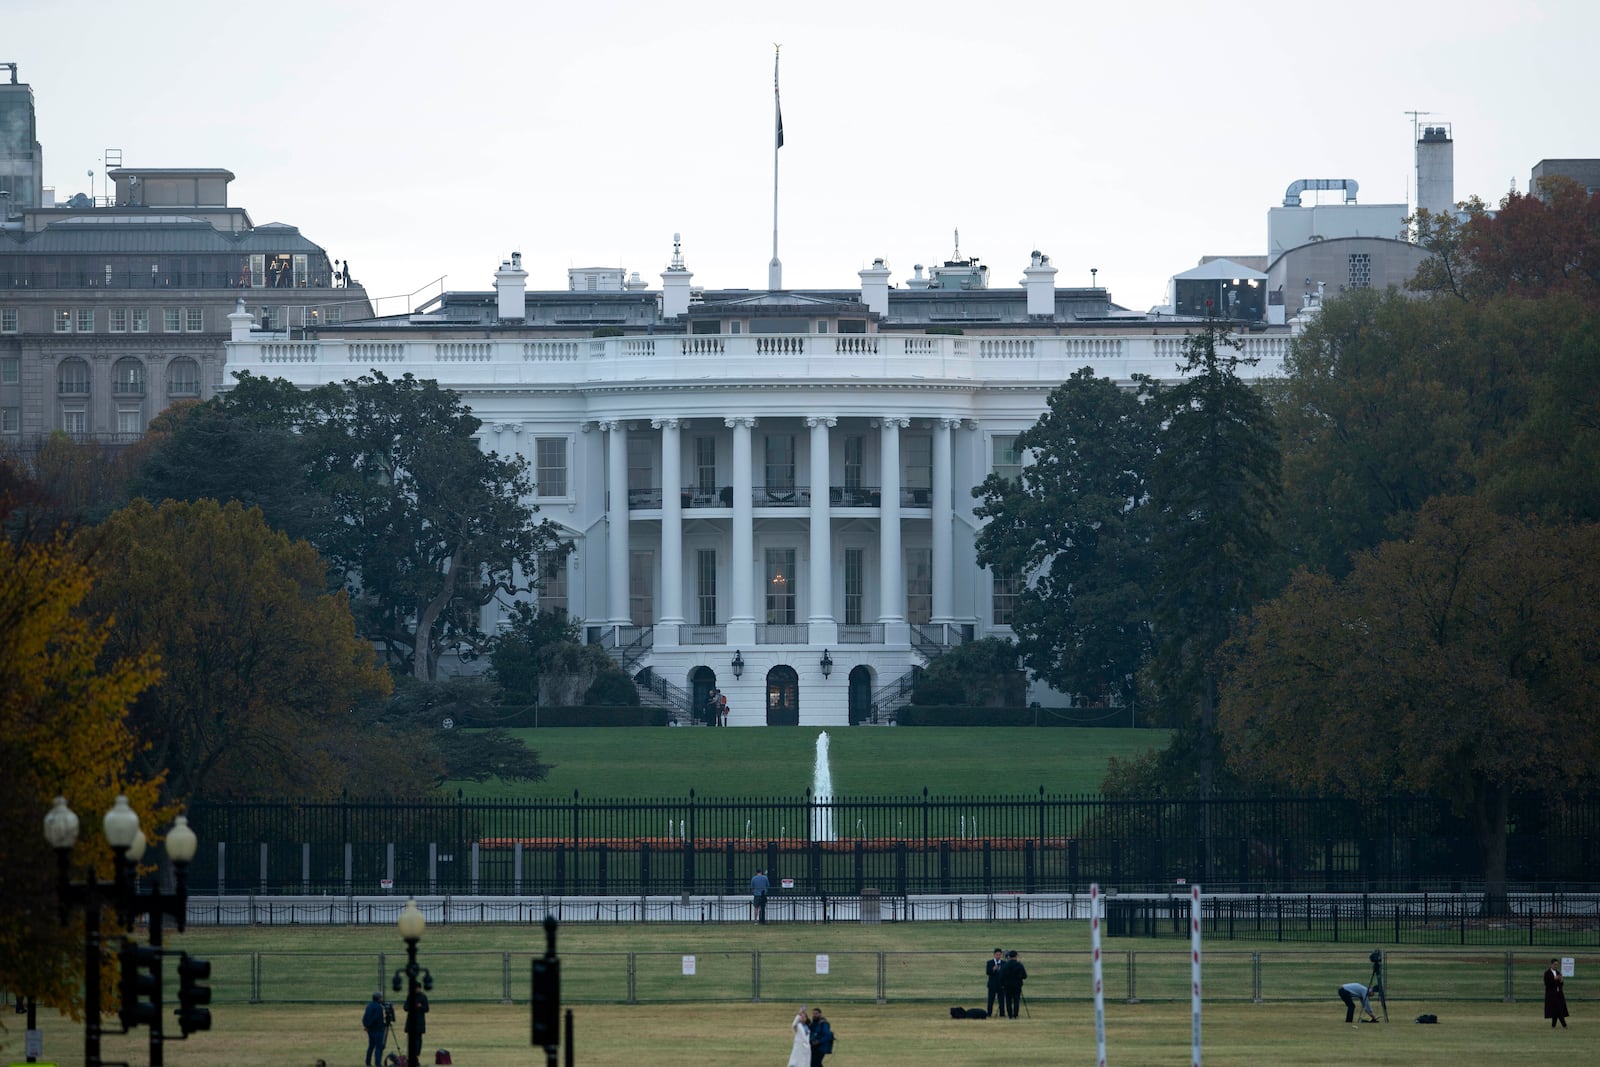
(677, 252)
(775, 268)
(957, 254)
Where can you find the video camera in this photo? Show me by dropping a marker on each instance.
(1376, 957)
(388, 1014)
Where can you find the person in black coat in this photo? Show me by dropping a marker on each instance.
(1555, 995)
(1012, 975)
(991, 970)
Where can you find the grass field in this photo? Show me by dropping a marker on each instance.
(777, 761)
(1302, 1022)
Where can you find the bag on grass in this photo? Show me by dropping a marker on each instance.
(442, 1056)
(958, 1013)
(1427, 1018)
(977, 1013)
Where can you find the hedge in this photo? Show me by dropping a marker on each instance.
(530, 716)
(946, 715)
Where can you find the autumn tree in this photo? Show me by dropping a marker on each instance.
(63, 708)
(1074, 520)
(262, 663)
(1462, 662)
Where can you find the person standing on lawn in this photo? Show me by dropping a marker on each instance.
(1555, 995)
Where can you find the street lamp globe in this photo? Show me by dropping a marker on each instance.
(182, 843)
(121, 824)
(136, 850)
(61, 825)
(411, 922)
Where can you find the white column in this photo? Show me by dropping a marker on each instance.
(672, 569)
(891, 586)
(617, 613)
(742, 620)
(824, 628)
(944, 578)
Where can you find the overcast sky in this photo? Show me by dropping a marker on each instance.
(427, 139)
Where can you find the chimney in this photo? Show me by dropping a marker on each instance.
(1040, 281)
(675, 283)
(240, 322)
(1436, 179)
(875, 288)
(511, 286)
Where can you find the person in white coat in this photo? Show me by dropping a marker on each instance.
(800, 1051)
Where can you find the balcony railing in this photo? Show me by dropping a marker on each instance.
(782, 633)
(127, 388)
(861, 634)
(716, 634)
(781, 496)
(135, 279)
(855, 496)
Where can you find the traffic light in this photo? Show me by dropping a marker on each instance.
(546, 1002)
(140, 984)
(192, 996)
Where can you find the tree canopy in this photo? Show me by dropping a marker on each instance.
(1462, 662)
(420, 525)
(262, 663)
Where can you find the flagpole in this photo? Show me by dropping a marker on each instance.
(775, 268)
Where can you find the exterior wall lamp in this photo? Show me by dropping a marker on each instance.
(738, 663)
(827, 663)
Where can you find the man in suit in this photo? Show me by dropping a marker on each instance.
(991, 970)
(1012, 975)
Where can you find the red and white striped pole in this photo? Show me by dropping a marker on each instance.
(1194, 970)
(1096, 907)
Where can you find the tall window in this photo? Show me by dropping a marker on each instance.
(10, 420)
(918, 449)
(1007, 585)
(75, 420)
(852, 465)
(172, 320)
(118, 320)
(141, 320)
(780, 587)
(183, 377)
(8, 320)
(127, 377)
(783, 696)
(194, 319)
(553, 587)
(86, 320)
(641, 471)
(130, 420)
(10, 370)
(705, 465)
(73, 377)
(641, 587)
(780, 461)
(705, 586)
(919, 585)
(550, 466)
(61, 320)
(1007, 462)
(855, 597)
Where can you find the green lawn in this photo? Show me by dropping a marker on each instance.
(710, 1019)
(778, 761)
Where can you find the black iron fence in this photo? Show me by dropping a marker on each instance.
(1018, 844)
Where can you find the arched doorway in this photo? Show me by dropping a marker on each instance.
(860, 694)
(701, 681)
(783, 696)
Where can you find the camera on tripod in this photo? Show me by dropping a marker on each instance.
(1376, 957)
(388, 1014)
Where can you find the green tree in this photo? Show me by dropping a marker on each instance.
(514, 653)
(986, 673)
(1214, 489)
(63, 708)
(262, 664)
(1462, 663)
(441, 723)
(1074, 520)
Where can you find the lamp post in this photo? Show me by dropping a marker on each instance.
(411, 924)
(141, 992)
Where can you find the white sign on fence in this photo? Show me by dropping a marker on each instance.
(787, 883)
(822, 964)
(688, 965)
(1567, 963)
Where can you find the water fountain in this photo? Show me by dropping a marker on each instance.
(822, 793)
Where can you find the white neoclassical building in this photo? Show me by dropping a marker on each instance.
(767, 492)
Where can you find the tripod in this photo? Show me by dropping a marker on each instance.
(1023, 998)
(392, 1059)
(1375, 982)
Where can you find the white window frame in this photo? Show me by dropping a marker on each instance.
(540, 480)
(61, 320)
(782, 599)
(705, 589)
(10, 370)
(141, 320)
(85, 322)
(75, 420)
(1009, 464)
(117, 320)
(194, 320)
(171, 320)
(174, 387)
(10, 420)
(8, 320)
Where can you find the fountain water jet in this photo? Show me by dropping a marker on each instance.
(822, 794)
